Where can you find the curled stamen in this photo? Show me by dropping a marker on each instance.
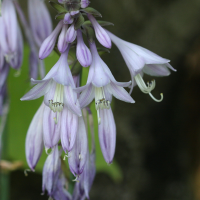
(26, 172)
(76, 179)
(147, 88)
(46, 150)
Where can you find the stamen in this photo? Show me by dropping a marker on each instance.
(66, 156)
(100, 101)
(79, 156)
(76, 179)
(57, 105)
(147, 88)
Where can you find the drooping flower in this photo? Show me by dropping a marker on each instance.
(139, 59)
(101, 85)
(62, 43)
(57, 88)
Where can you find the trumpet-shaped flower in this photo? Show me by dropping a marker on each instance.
(101, 85)
(139, 59)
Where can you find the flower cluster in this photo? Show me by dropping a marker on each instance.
(59, 124)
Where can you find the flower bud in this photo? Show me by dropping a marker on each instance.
(71, 34)
(68, 19)
(100, 33)
(107, 134)
(85, 3)
(49, 43)
(82, 52)
(62, 44)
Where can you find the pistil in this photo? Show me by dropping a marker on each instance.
(147, 88)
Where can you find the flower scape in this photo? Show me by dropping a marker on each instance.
(60, 124)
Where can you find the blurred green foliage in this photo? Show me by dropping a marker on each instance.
(21, 114)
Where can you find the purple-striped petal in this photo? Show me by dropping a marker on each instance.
(107, 134)
(70, 100)
(34, 139)
(156, 70)
(78, 155)
(87, 96)
(100, 33)
(120, 93)
(69, 127)
(51, 129)
(49, 43)
(37, 91)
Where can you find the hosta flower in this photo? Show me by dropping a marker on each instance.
(139, 59)
(85, 3)
(57, 89)
(101, 85)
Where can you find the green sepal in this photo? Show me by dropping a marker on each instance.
(79, 22)
(89, 33)
(102, 23)
(76, 68)
(73, 6)
(57, 7)
(60, 16)
(92, 11)
(102, 50)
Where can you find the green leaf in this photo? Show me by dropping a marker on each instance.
(89, 33)
(60, 16)
(91, 11)
(102, 23)
(102, 50)
(79, 21)
(57, 7)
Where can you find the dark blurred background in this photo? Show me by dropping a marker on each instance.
(158, 144)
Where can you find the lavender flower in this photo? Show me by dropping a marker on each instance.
(139, 59)
(40, 20)
(34, 138)
(102, 85)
